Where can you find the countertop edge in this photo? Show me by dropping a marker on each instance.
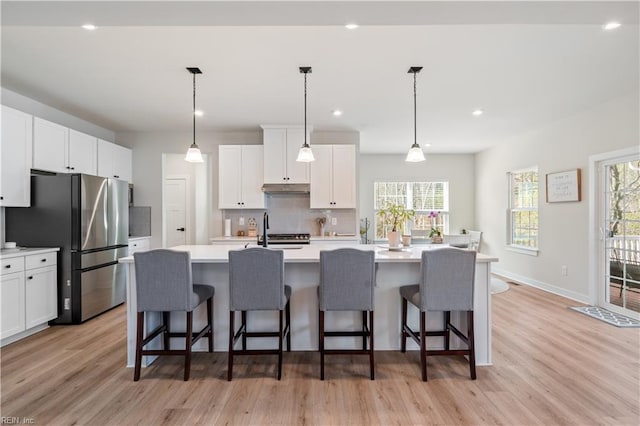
(26, 251)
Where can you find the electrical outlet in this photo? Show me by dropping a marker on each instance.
(334, 220)
(565, 270)
(241, 221)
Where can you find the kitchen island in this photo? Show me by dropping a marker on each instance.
(302, 273)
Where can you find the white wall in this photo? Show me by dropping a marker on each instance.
(458, 170)
(563, 235)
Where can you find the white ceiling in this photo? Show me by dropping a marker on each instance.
(523, 63)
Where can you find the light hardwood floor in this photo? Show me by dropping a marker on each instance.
(551, 366)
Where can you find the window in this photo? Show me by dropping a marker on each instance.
(523, 209)
(423, 197)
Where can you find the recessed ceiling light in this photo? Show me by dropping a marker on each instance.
(89, 27)
(198, 113)
(477, 112)
(425, 144)
(337, 112)
(611, 25)
(351, 26)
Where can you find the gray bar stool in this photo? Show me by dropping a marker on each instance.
(347, 279)
(256, 283)
(446, 284)
(164, 284)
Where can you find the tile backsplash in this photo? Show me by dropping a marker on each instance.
(290, 213)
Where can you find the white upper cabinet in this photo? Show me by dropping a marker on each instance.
(281, 145)
(59, 149)
(15, 158)
(333, 177)
(114, 161)
(240, 176)
(50, 146)
(83, 153)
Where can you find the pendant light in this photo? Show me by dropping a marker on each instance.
(415, 153)
(305, 155)
(193, 154)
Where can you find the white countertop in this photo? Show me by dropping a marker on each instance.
(139, 238)
(310, 253)
(25, 251)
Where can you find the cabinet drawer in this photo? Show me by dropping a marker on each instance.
(40, 260)
(15, 264)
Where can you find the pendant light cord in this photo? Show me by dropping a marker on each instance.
(194, 109)
(305, 109)
(415, 119)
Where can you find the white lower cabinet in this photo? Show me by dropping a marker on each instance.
(12, 303)
(29, 293)
(41, 296)
(139, 244)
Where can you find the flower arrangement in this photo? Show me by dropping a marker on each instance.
(435, 232)
(394, 215)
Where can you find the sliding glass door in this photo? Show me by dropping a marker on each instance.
(619, 225)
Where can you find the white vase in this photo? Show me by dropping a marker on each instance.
(394, 238)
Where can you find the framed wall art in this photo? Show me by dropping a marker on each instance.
(564, 186)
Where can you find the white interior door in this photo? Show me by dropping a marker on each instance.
(619, 223)
(175, 192)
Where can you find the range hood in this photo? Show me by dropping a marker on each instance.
(285, 188)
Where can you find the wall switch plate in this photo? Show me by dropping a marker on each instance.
(565, 270)
(334, 220)
(241, 221)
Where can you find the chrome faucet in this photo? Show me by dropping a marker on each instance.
(265, 226)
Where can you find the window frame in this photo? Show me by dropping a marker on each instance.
(511, 210)
(444, 213)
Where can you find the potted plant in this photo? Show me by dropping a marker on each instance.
(394, 216)
(434, 233)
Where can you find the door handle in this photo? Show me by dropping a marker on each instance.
(180, 229)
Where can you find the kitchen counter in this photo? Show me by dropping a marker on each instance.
(25, 251)
(302, 273)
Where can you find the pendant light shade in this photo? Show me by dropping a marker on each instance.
(305, 154)
(193, 154)
(415, 153)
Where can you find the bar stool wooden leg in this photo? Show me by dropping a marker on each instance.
(244, 330)
(364, 329)
(472, 346)
(230, 353)
(447, 334)
(188, 337)
(371, 350)
(140, 328)
(321, 329)
(165, 321)
(280, 342)
(210, 323)
(403, 337)
(423, 345)
(288, 325)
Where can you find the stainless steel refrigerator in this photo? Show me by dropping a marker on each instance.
(88, 218)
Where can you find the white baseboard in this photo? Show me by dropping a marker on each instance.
(582, 298)
(23, 334)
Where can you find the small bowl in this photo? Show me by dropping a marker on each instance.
(10, 245)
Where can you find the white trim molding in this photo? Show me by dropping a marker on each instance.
(560, 291)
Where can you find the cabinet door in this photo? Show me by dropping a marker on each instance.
(275, 143)
(105, 158)
(15, 158)
(83, 153)
(50, 146)
(12, 303)
(252, 175)
(321, 178)
(344, 176)
(229, 176)
(297, 172)
(41, 297)
(121, 166)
